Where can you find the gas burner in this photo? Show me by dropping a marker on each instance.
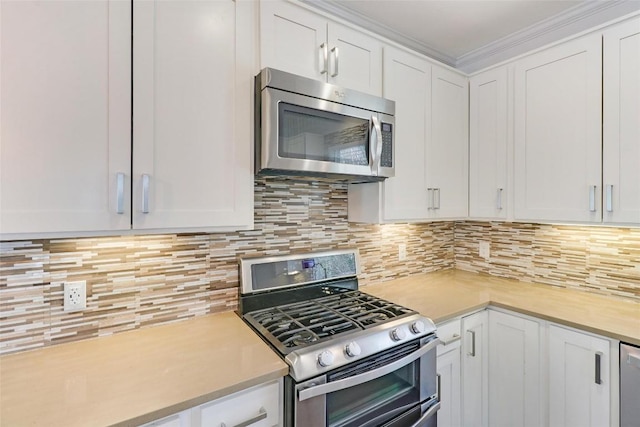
(301, 338)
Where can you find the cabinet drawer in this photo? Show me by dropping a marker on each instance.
(258, 405)
(449, 334)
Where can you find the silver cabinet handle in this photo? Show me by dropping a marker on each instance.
(358, 379)
(598, 378)
(438, 386)
(609, 197)
(430, 413)
(472, 353)
(430, 198)
(335, 61)
(592, 198)
(436, 191)
(262, 414)
(324, 51)
(119, 193)
(499, 199)
(145, 193)
(454, 338)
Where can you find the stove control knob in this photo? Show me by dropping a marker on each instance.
(398, 334)
(352, 349)
(418, 327)
(325, 358)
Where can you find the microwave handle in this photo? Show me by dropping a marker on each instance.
(377, 158)
(358, 379)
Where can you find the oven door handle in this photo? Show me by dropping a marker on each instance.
(355, 380)
(430, 412)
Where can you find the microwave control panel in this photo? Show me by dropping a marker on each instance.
(386, 160)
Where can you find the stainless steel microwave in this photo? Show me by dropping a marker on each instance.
(310, 128)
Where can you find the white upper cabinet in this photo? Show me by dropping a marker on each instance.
(67, 152)
(431, 150)
(404, 197)
(558, 94)
(621, 145)
(488, 124)
(192, 110)
(448, 145)
(298, 41)
(65, 91)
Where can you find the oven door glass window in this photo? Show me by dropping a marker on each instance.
(306, 133)
(378, 401)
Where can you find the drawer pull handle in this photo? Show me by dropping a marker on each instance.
(598, 378)
(454, 338)
(472, 353)
(262, 414)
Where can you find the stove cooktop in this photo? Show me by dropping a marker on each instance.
(293, 326)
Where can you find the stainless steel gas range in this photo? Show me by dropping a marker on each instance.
(354, 360)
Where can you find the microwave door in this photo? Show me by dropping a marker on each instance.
(303, 134)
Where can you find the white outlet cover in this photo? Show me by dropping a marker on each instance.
(484, 250)
(75, 295)
(402, 252)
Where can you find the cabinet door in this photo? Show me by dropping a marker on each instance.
(258, 407)
(579, 379)
(355, 60)
(407, 81)
(448, 370)
(621, 154)
(65, 131)
(192, 91)
(488, 144)
(475, 366)
(514, 371)
(293, 39)
(558, 94)
(448, 145)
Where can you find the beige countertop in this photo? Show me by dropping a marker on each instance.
(134, 377)
(447, 294)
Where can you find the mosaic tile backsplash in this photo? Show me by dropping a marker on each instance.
(138, 281)
(605, 260)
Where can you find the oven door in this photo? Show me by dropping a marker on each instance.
(394, 388)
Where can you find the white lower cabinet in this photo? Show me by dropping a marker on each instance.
(514, 371)
(580, 379)
(448, 371)
(511, 370)
(475, 366)
(259, 406)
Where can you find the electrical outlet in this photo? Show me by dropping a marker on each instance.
(402, 252)
(484, 250)
(75, 295)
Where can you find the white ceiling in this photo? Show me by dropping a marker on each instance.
(462, 33)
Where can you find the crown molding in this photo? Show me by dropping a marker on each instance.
(575, 20)
(337, 8)
(572, 21)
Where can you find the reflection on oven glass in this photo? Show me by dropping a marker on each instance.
(357, 405)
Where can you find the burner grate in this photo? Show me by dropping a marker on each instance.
(304, 323)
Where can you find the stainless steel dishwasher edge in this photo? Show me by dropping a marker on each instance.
(629, 385)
